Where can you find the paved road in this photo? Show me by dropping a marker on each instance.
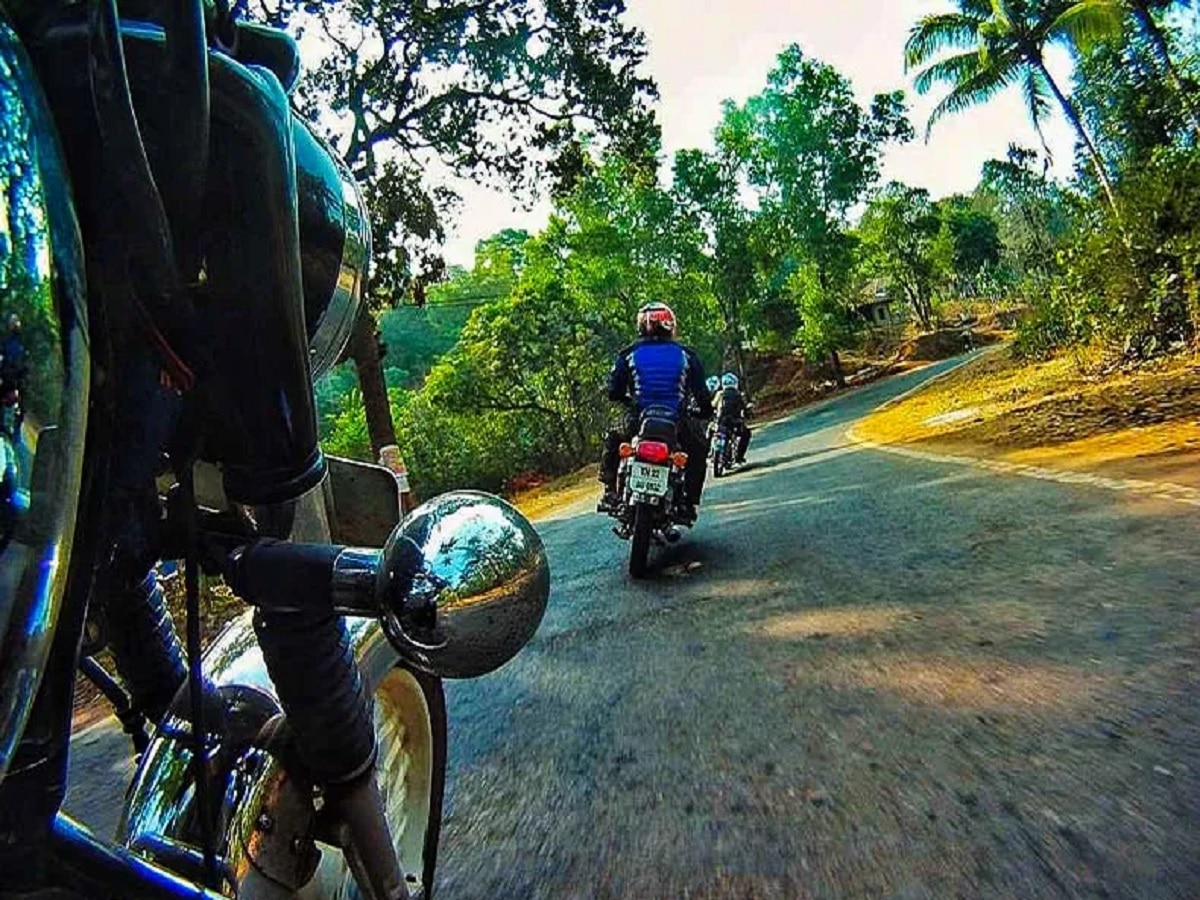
(860, 675)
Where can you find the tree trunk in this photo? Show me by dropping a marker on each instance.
(1073, 117)
(836, 362)
(365, 352)
(739, 357)
(917, 302)
(1145, 19)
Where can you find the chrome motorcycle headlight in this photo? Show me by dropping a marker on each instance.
(335, 242)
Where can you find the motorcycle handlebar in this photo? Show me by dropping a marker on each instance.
(459, 587)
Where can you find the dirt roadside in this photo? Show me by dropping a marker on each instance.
(1137, 423)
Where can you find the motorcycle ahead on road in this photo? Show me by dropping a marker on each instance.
(185, 256)
(651, 485)
(723, 444)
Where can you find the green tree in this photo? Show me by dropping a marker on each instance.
(706, 190)
(503, 91)
(812, 152)
(967, 247)
(897, 234)
(1146, 13)
(624, 241)
(522, 387)
(825, 322)
(1127, 103)
(1002, 43)
(1034, 215)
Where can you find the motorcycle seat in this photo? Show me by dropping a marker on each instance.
(658, 425)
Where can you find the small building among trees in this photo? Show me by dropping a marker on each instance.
(876, 307)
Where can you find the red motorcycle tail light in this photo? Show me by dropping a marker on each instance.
(653, 451)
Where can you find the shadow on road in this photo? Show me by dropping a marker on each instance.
(760, 465)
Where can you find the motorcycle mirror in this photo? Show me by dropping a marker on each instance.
(463, 584)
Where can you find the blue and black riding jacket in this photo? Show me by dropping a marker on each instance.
(659, 373)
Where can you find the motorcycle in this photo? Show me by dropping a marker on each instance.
(723, 444)
(186, 256)
(722, 450)
(651, 485)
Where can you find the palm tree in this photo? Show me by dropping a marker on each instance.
(1003, 43)
(1143, 12)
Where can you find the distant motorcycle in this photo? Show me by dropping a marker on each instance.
(651, 484)
(722, 451)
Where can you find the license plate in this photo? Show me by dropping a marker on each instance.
(647, 479)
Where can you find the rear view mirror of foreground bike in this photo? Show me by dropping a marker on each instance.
(460, 586)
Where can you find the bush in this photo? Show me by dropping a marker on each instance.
(346, 432)
(1047, 327)
(1130, 281)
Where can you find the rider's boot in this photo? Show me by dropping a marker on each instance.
(610, 501)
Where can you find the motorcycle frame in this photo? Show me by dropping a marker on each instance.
(56, 849)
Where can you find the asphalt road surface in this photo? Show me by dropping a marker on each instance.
(860, 675)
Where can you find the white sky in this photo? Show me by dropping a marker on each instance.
(702, 52)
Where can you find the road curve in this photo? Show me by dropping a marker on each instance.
(860, 676)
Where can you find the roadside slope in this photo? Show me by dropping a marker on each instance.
(1141, 424)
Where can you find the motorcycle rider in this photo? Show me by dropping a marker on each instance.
(731, 413)
(657, 371)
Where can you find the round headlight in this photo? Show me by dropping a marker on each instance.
(335, 244)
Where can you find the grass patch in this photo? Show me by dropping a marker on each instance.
(553, 496)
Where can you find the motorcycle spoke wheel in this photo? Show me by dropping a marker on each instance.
(404, 770)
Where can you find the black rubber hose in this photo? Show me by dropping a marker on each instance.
(308, 654)
(145, 645)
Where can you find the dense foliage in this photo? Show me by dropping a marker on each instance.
(780, 237)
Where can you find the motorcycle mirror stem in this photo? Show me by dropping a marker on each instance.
(460, 586)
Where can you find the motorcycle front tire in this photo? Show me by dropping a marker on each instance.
(409, 714)
(410, 728)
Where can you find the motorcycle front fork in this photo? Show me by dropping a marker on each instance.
(366, 840)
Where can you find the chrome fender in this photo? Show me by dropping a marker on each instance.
(264, 821)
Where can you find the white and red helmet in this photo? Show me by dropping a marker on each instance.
(656, 320)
